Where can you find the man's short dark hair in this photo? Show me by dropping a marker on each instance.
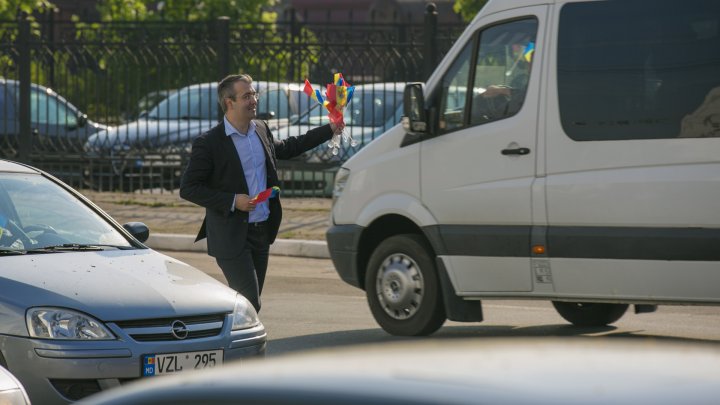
(226, 88)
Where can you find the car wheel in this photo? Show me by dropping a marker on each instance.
(590, 313)
(403, 288)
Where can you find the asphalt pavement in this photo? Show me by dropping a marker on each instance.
(174, 222)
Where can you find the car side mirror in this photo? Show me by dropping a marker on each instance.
(414, 118)
(80, 122)
(267, 115)
(138, 230)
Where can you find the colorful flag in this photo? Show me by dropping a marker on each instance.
(271, 192)
(529, 51)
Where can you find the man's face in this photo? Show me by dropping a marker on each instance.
(244, 106)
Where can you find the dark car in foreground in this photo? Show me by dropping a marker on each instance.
(453, 371)
(85, 306)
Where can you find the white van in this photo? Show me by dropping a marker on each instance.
(562, 150)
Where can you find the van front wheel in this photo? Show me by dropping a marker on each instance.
(590, 313)
(402, 287)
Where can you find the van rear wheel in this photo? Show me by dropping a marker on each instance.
(402, 287)
(590, 313)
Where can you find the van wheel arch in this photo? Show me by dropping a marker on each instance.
(379, 230)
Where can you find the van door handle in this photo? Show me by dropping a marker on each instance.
(516, 151)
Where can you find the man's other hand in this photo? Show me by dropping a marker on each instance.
(243, 202)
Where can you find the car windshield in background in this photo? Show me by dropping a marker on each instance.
(200, 103)
(36, 213)
(366, 109)
(189, 103)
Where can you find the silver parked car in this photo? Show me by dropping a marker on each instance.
(149, 152)
(85, 306)
(374, 109)
(12, 391)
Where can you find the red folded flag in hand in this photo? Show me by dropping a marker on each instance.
(265, 194)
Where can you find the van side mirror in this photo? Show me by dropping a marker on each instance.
(414, 118)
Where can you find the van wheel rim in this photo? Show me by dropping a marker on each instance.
(399, 286)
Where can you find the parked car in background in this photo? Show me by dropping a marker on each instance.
(151, 151)
(57, 126)
(146, 103)
(374, 109)
(86, 306)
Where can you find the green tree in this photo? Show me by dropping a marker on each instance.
(468, 8)
(184, 10)
(10, 9)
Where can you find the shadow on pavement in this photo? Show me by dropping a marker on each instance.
(374, 336)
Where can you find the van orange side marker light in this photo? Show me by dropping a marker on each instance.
(538, 249)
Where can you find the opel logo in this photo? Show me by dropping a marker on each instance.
(179, 330)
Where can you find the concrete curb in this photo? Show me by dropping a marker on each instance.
(282, 247)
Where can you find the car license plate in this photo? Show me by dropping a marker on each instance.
(173, 363)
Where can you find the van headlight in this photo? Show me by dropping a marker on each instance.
(341, 179)
(244, 315)
(61, 323)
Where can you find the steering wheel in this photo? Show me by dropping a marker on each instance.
(490, 108)
(17, 234)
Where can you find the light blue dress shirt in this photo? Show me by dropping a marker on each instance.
(252, 157)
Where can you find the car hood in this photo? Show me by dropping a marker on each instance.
(323, 153)
(110, 285)
(145, 133)
(358, 133)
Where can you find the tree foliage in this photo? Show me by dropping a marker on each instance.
(11, 9)
(184, 10)
(468, 8)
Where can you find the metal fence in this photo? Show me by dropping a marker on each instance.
(115, 106)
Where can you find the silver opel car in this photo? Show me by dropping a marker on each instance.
(85, 306)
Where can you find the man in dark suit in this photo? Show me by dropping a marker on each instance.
(229, 165)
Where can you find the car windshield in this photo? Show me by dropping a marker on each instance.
(199, 103)
(368, 108)
(36, 213)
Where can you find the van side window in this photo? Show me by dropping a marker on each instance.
(500, 76)
(454, 92)
(502, 72)
(626, 73)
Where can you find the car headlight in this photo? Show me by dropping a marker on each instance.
(244, 315)
(61, 323)
(341, 179)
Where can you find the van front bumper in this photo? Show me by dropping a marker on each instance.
(344, 245)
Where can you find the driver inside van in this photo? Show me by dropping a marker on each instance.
(503, 100)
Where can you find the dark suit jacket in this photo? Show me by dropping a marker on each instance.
(214, 175)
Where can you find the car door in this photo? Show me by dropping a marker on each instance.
(477, 174)
(633, 151)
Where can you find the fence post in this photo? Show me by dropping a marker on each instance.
(430, 48)
(295, 39)
(223, 48)
(25, 143)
